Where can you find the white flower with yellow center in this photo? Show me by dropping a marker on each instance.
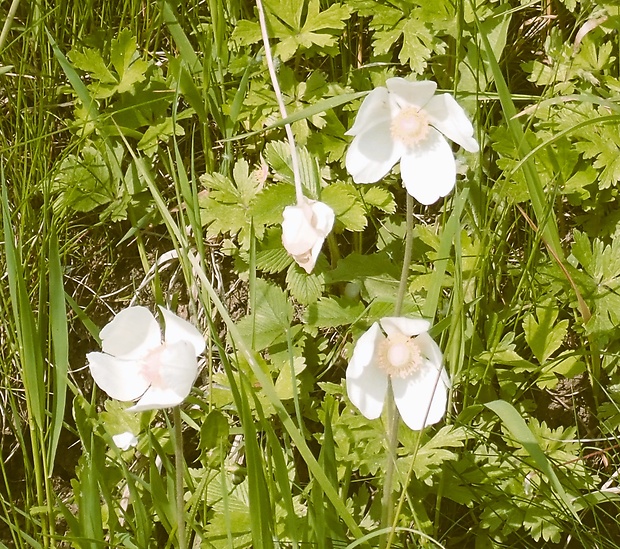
(137, 365)
(400, 350)
(304, 229)
(406, 121)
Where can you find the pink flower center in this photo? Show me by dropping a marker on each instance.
(151, 367)
(399, 356)
(410, 126)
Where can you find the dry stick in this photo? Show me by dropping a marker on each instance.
(276, 88)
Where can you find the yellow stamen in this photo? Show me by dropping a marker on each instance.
(399, 356)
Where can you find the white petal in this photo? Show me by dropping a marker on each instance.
(322, 217)
(177, 329)
(413, 397)
(125, 440)
(373, 152)
(131, 334)
(298, 236)
(433, 354)
(304, 230)
(450, 119)
(375, 106)
(120, 378)
(409, 93)
(177, 370)
(429, 169)
(393, 325)
(366, 382)
(156, 399)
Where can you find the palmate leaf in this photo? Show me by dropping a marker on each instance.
(601, 280)
(543, 334)
(434, 452)
(124, 70)
(297, 24)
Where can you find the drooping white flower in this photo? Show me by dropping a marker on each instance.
(136, 364)
(406, 121)
(399, 349)
(304, 229)
(125, 440)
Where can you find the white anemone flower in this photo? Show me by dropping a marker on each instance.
(304, 229)
(137, 365)
(399, 350)
(125, 440)
(406, 121)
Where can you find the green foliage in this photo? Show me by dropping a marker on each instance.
(155, 125)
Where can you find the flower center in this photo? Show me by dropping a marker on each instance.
(410, 126)
(151, 367)
(399, 356)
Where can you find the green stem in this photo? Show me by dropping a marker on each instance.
(393, 417)
(404, 275)
(179, 466)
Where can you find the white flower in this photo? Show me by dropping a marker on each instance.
(304, 228)
(407, 356)
(125, 440)
(136, 364)
(405, 122)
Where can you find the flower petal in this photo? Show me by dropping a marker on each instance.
(366, 382)
(304, 229)
(125, 440)
(298, 236)
(178, 368)
(450, 119)
(410, 327)
(407, 93)
(432, 352)
(375, 107)
(429, 169)
(373, 152)
(413, 397)
(120, 378)
(177, 329)
(131, 334)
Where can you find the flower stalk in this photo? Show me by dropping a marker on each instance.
(393, 417)
(276, 88)
(179, 465)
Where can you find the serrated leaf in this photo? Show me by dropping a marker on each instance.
(297, 26)
(278, 156)
(329, 312)
(125, 59)
(436, 451)
(268, 206)
(270, 320)
(520, 431)
(305, 288)
(91, 62)
(273, 260)
(379, 197)
(344, 200)
(543, 335)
